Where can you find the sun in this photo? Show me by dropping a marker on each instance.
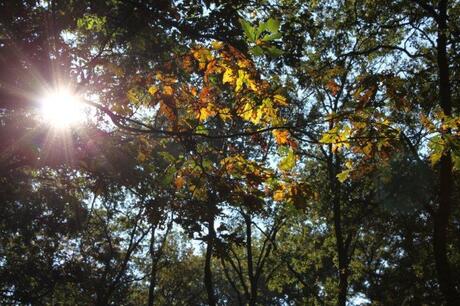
(62, 108)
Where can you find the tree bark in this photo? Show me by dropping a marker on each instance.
(442, 214)
(153, 270)
(208, 282)
(342, 249)
(250, 261)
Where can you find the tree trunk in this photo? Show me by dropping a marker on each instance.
(342, 250)
(442, 214)
(207, 267)
(252, 279)
(153, 270)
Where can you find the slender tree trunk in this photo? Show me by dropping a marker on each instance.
(342, 252)
(252, 279)
(208, 282)
(153, 270)
(442, 214)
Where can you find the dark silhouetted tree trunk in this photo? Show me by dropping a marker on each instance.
(208, 282)
(442, 214)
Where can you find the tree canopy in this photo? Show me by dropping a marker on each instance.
(281, 152)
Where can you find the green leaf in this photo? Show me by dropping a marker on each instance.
(201, 129)
(167, 157)
(274, 51)
(248, 29)
(273, 36)
(436, 145)
(169, 176)
(257, 51)
(456, 161)
(272, 25)
(262, 27)
(288, 162)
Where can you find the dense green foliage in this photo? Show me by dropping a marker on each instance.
(281, 152)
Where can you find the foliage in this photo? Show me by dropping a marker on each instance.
(235, 152)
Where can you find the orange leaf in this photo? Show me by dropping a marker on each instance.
(281, 136)
(179, 182)
(333, 87)
(168, 90)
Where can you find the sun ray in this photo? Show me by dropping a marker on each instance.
(61, 108)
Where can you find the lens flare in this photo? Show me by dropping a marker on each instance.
(62, 108)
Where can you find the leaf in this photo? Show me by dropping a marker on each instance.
(217, 45)
(274, 51)
(270, 37)
(228, 76)
(456, 162)
(203, 56)
(167, 156)
(246, 114)
(168, 176)
(436, 145)
(240, 80)
(248, 29)
(333, 87)
(141, 156)
(278, 195)
(133, 96)
(168, 110)
(225, 114)
(179, 182)
(435, 158)
(205, 113)
(272, 25)
(367, 150)
(201, 129)
(153, 90)
(168, 90)
(281, 136)
(342, 176)
(288, 162)
(257, 51)
(280, 100)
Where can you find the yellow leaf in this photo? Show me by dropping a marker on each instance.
(247, 112)
(342, 176)
(240, 80)
(349, 164)
(133, 96)
(327, 138)
(225, 114)
(217, 45)
(153, 90)
(335, 147)
(280, 100)
(252, 85)
(278, 195)
(228, 76)
(243, 63)
(435, 158)
(203, 56)
(205, 112)
(258, 115)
